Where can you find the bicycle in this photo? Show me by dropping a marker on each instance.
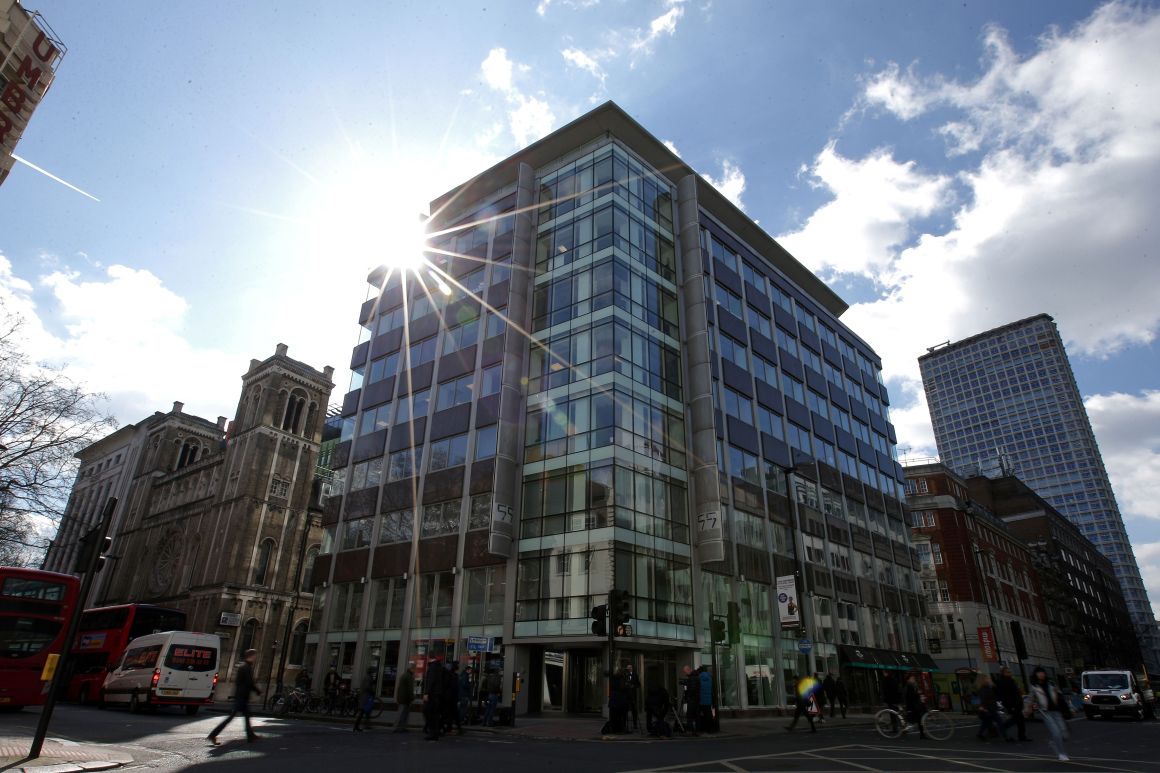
(292, 702)
(892, 724)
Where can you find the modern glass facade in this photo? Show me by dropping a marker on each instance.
(628, 386)
(1006, 402)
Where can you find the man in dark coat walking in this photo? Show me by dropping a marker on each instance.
(244, 687)
(433, 699)
(1008, 693)
(404, 696)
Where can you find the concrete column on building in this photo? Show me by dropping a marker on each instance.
(509, 449)
(708, 526)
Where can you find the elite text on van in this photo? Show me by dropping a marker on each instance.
(176, 668)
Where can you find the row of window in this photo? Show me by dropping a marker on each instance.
(441, 454)
(610, 282)
(610, 226)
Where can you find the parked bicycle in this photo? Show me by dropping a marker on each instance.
(892, 724)
(294, 702)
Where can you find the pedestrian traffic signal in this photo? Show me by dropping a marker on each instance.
(717, 629)
(599, 620)
(733, 618)
(620, 609)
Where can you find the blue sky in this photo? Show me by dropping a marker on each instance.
(948, 167)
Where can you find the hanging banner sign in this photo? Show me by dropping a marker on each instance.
(987, 644)
(787, 602)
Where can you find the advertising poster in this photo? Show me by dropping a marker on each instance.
(787, 602)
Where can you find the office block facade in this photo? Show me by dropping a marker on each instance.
(610, 378)
(1086, 612)
(1006, 402)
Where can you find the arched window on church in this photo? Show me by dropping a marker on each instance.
(308, 570)
(295, 408)
(248, 637)
(253, 414)
(297, 644)
(190, 451)
(262, 567)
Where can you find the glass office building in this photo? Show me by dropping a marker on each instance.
(610, 378)
(1005, 402)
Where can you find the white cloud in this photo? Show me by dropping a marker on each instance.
(875, 200)
(642, 42)
(123, 334)
(1050, 208)
(1128, 430)
(672, 148)
(542, 7)
(497, 70)
(731, 183)
(529, 117)
(589, 62)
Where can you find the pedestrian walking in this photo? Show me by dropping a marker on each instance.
(492, 687)
(830, 690)
(691, 683)
(806, 705)
(466, 686)
(404, 696)
(433, 700)
(1051, 707)
(1008, 692)
(366, 700)
(988, 709)
(705, 703)
(450, 708)
(632, 694)
(841, 695)
(244, 687)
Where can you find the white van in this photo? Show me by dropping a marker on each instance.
(175, 668)
(1111, 693)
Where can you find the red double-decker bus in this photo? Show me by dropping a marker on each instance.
(35, 608)
(103, 634)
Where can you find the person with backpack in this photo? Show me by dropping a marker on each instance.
(656, 708)
(492, 687)
(989, 710)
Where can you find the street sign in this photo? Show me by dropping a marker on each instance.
(805, 645)
(478, 644)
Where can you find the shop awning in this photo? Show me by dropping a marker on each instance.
(858, 657)
(890, 660)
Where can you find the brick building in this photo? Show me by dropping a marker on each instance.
(979, 580)
(215, 523)
(1086, 612)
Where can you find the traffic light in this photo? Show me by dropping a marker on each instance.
(599, 622)
(620, 609)
(733, 618)
(88, 545)
(717, 629)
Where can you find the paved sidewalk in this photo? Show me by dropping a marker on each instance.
(58, 756)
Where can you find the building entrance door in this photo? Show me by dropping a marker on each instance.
(585, 674)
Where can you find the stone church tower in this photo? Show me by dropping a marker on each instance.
(223, 524)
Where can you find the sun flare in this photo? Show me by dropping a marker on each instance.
(360, 220)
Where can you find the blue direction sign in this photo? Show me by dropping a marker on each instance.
(805, 645)
(478, 644)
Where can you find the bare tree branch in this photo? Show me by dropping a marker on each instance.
(45, 419)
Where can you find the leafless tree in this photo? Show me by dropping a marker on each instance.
(45, 419)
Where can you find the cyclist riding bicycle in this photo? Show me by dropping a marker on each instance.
(914, 706)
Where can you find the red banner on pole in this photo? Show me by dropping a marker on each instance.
(987, 644)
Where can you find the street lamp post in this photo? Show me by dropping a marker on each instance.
(803, 592)
(966, 645)
(987, 600)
